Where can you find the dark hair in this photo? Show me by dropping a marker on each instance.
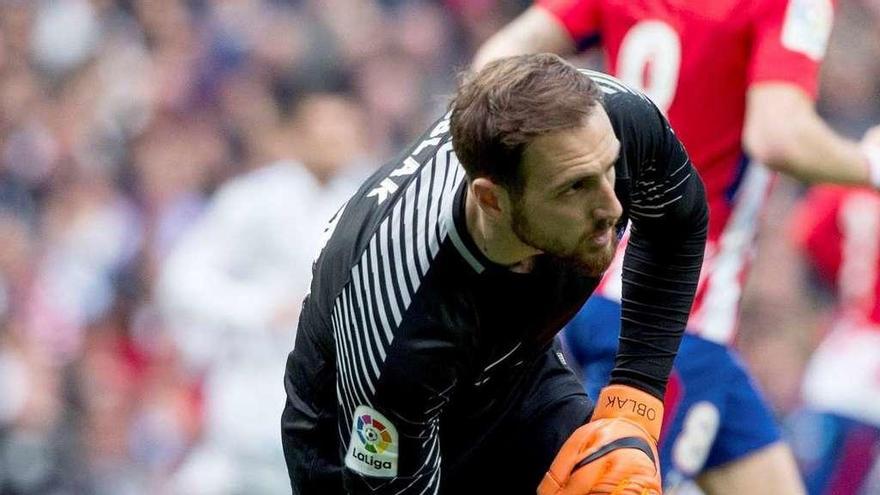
(499, 110)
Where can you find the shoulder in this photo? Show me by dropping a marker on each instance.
(622, 102)
(390, 230)
(640, 126)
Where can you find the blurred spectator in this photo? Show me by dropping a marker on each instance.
(232, 287)
(837, 434)
(777, 296)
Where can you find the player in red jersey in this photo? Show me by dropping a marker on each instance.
(737, 79)
(838, 432)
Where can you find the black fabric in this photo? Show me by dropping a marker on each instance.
(509, 451)
(669, 215)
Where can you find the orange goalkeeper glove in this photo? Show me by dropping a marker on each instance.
(615, 453)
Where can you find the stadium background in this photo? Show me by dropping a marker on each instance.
(119, 119)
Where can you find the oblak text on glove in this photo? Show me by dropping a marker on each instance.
(639, 408)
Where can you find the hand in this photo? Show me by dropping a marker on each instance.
(615, 453)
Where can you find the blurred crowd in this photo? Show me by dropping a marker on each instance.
(786, 307)
(119, 121)
(164, 169)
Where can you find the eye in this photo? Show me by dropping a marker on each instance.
(576, 186)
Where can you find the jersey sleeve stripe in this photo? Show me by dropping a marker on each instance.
(676, 186)
(502, 358)
(342, 367)
(343, 394)
(431, 464)
(394, 291)
(424, 186)
(399, 268)
(451, 179)
(372, 306)
(448, 226)
(440, 178)
(360, 282)
(657, 206)
(716, 318)
(354, 377)
(609, 84)
(375, 297)
(636, 214)
(431, 483)
(373, 335)
(355, 383)
(362, 345)
(680, 168)
(459, 244)
(409, 214)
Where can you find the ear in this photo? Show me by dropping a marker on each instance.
(492, 198)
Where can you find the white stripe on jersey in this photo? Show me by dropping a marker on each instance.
(357, 366)
(360, 281)
(455, 237)
(440, 179)
(609, 84)
(384, 281)
(349, 322)
(386, 266)
(424, 188)
(859, 223)
(502, 358)
(434, 481)
(362, 323)
(661, 205)
(378, 296)
(650, 196)
(716, 317)
(408, 214)
(396, 248)
(344, 358)
(447, 222)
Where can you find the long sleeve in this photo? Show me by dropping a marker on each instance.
(662, 262)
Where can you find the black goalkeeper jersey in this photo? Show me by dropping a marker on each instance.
(408, 323)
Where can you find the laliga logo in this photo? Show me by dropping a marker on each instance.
(375, 438)
(372, 448)
(373, 434)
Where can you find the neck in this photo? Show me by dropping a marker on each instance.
(496, 241)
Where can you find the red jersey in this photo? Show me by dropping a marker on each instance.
(696, 60)
(839, 230)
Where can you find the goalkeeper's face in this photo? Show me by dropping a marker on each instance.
(567, 207)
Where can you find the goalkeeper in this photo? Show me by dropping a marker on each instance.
(426, 361)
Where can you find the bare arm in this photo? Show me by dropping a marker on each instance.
(783, 131)
(534, 31)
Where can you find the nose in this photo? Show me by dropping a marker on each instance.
(608, 208)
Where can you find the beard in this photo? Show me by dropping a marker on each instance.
(584, 258)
